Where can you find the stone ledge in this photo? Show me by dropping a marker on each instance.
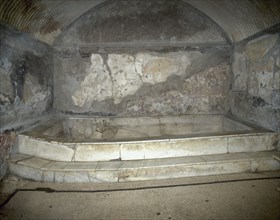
(149, 149)
(121, 171)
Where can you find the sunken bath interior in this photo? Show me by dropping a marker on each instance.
(140, 90)
(140, 128)
(136, 138)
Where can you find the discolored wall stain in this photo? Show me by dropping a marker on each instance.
(255, 92)
(26, 77)
(138, 21)
(142, 83)
(137, 57)
(31, 16)
(49, 26)
(239, 20)
(27, 7)
(266, 7)
(7, 141)
(25, 12)
(18, 77)
(23, 64)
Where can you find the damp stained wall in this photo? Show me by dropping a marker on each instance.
(141, 22)
(26, 71)
(7, 141)
(255, 93)
(142, 58)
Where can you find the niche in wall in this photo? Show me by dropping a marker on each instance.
(142, 58)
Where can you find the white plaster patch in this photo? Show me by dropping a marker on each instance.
(3, 98)
(124, 75)
(125, 79)
(155, 68)
(97, 85)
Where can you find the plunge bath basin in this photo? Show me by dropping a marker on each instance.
(136, 138)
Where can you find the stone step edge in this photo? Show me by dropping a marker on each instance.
(51, 171)
(71, 144)
(133, 151)
(46, 164)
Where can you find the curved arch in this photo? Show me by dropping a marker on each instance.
(143, 22)
(240, 19)
(45, 19)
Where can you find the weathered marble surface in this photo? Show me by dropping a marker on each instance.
(150, 149)
(141, 128)
(123, 171)
(87, 129)
(134, 138)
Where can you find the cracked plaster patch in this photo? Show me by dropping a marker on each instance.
(125, 79)
(97, 85)
(156, 69)
(122, 75)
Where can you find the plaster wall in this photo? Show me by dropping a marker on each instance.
(142, 58)
(26, 67)
(255, 93)
(142, 22)
(142, 83)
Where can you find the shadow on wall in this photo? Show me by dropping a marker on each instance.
(26, 77)
(142, 22)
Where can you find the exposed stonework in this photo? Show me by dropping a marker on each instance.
(142, 83)
(255, 93)
(124, 74)
(158, 67)
(97, 85)
(138, 58)
(124, 77)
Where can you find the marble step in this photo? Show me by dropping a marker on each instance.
(40, 169)
(149, 149)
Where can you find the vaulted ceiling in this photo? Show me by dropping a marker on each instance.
(46, 19)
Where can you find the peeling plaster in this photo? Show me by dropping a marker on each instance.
(121, 75)
(97, 85)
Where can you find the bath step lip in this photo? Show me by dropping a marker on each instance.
(40, 169)
(146, 150)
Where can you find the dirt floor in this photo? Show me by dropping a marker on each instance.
(235, 196)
